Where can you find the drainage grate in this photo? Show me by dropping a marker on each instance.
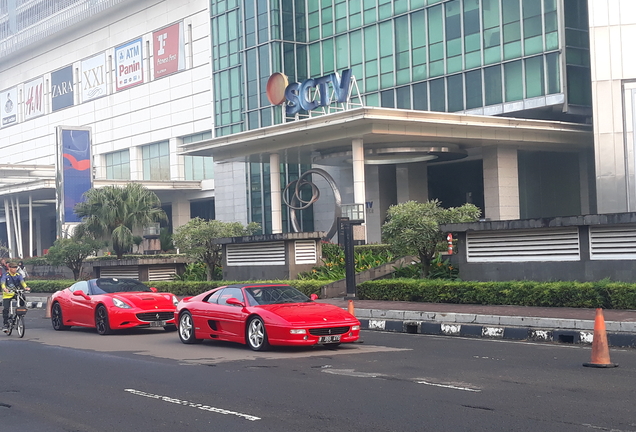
(410, 328)
(566, 338)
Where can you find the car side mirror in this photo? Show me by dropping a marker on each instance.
(234, 302)
(81, 294)
(153, 289)
(314, 296)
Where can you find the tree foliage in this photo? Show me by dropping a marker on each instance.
(72, 252)
(197, 239)
(112, 212)
(412, 228)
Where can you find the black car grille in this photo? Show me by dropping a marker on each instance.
(328, 331)
(155, 316)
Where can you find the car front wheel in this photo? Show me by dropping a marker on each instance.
(256, 334)
(56, 318)
(101, 321)
(186, 329)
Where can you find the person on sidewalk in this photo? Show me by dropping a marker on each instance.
(9, 282)
(22, 270)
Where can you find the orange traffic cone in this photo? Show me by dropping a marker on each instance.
(350, 308)
(600, 349)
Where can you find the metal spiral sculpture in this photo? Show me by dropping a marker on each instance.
(297, 203)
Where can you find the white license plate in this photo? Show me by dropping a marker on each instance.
(158, 324)
(329, 339)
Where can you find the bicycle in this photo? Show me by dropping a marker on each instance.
(17, 311)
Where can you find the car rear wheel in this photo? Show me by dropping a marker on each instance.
(57, 319)
(256, 334)
(186, 329)
(101, 321)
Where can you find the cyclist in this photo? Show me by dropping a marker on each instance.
(9, 282)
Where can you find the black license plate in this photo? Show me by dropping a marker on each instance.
(158, 323)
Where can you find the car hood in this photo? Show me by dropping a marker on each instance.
(311, 313)
(145, 300)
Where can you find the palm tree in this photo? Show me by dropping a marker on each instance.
(115, 211)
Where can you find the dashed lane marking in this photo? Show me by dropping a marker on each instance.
(192, 404)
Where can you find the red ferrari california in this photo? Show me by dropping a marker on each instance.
(261, 315)
(112, 304)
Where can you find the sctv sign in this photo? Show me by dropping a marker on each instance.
(311, 93)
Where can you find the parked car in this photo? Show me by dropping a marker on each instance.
(111, 304)
(261, 315)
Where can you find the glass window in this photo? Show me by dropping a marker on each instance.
(511, 29)
(436, 41)
(118, 165)
(455, 93)
(438, 95)
(403, 97)
(473, 89)
(402, 50)
(492, 31)
(156, 161)
(199, 167)
(420, 96)
(535, 77)
(387, 99)
(492, 85)
(554, 73)
(418, 46)
(513, 75)
(229, 293)
(532, 27)
(472, 36)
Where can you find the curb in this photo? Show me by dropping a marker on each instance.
(534, 334)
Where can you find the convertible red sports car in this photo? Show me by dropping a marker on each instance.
(260, 315)
(112, 304)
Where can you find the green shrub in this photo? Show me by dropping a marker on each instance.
(605, 294)
(333, 258)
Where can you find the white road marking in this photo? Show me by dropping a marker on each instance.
(448, 386)
(351, 372)
(191, 404)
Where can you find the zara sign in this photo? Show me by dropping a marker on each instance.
(311, 93)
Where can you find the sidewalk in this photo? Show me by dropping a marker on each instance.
(541, 324)
(566, 325)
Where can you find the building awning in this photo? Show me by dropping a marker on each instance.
(311, 139)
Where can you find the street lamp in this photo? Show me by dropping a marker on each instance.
(353, 214)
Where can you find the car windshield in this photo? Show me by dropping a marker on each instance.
(113, 285)
(275, 295)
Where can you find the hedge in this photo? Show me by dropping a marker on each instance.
(605, 294)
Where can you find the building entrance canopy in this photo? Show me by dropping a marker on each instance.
(391, 133)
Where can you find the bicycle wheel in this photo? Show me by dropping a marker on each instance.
(19, 324)
(11, 325)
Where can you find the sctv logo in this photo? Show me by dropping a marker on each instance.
(311, 93)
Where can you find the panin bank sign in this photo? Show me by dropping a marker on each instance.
(311, 93)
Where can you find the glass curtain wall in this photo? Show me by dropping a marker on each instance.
(439, 55)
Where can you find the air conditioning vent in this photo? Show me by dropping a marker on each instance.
(613, 243)
(560, 244)
(305, 251)
(266, 254)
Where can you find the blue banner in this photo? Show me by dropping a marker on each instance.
(77, 174)
(62, 88)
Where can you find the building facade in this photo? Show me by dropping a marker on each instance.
(522, 59)
(135, 74)
(482, 101)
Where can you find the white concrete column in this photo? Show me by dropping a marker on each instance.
(136, 163)
(501, 183)
(30, 251)
(357, 151)
(274, 181)
(180, 212)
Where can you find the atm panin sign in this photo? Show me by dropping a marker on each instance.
(311, 93)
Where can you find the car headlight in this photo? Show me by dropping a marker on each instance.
(175, 300)
(356, 327)
(298, 331)
(120, 303)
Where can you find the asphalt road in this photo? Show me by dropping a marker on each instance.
(148, 381)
